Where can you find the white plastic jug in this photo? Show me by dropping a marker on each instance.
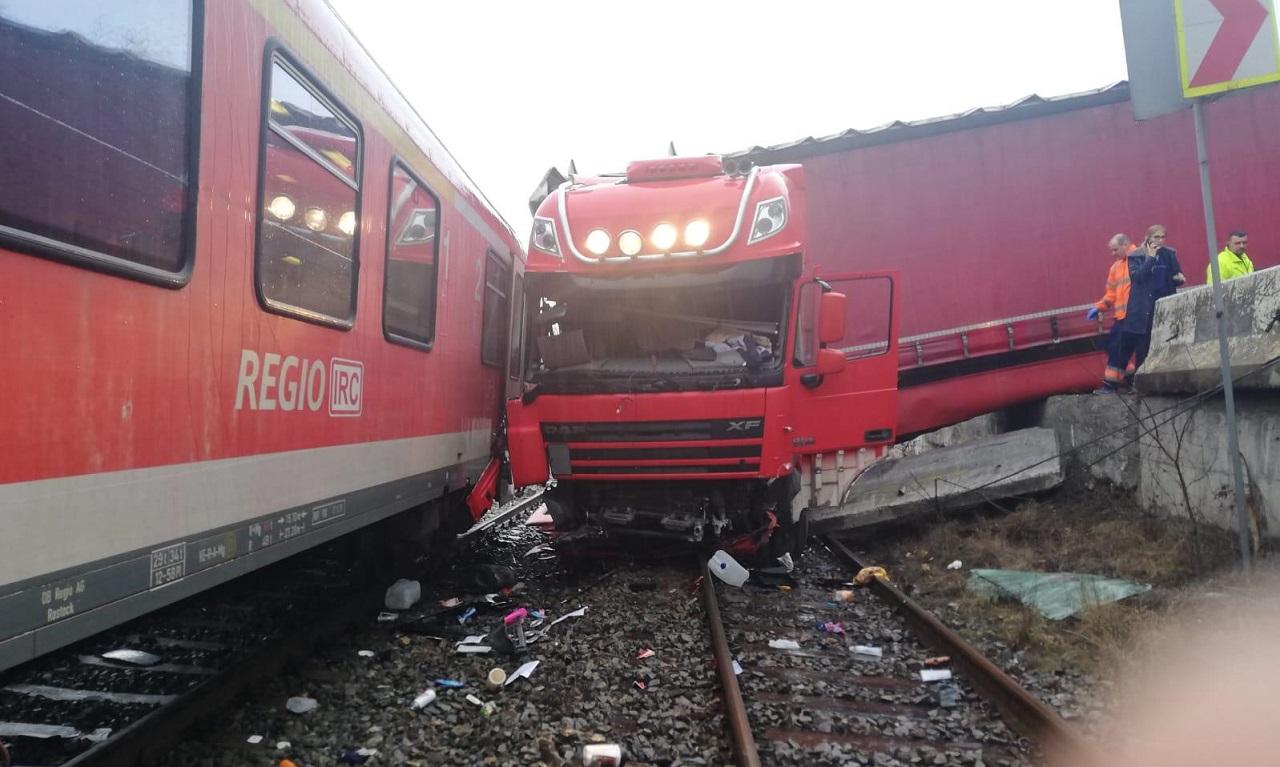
(727, 569)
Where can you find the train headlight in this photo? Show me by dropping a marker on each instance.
(282, 208)
(544, 236)
(663, 237)
(630, 243)
(770, 218)
(315, 219)
(598, 241)
(696, 233)
(347, 223)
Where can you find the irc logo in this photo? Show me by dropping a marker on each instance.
(273, 382)
(346, 384)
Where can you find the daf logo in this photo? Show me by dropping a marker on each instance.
(748, 425)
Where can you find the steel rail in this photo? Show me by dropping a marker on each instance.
(735, 710)
(1022, 710)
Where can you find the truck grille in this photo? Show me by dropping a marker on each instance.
(656, 449)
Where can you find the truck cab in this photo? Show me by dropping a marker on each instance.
(685, 372)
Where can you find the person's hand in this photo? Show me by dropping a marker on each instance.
(1092, 314)
(1179, 278)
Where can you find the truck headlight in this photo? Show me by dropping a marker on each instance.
(598, 242)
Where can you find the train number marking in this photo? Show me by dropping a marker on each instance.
(168, 564)
(328, 512)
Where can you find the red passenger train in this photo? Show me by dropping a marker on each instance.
(249, 301)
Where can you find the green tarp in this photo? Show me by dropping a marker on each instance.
(1054, 595)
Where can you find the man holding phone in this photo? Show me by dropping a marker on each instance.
(1154, 273)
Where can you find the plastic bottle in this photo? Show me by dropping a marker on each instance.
(727, 569)
(426, 698)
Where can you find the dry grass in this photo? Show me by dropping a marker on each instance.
(1101, 532)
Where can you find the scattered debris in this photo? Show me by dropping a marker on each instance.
(288, 763)
(473, 639)
(495, 679)
(935, 674)
(696, 585)
(488, 708)
(784, 644)
(132, 657)
(301, 704)
(737, 667)
(949, 695)
(473, 649)
(831, 627)
(490, 578)
(581, 611)
(356, 756)
(1053, 595)
(955, 565)
(473, 700)
(466, 615)
(283, 745)
(937, 660)
(540, 517)
(450, 602)
(524, 672)
(641, 685)
(424, 699)
(645, 653)
(366, 653)
(867, 652)
(513, 624)
(787, 563)
(403, 594)
(541, 547)
(844, 595)
(254, 739)
(865, 575)
(727, 569)
(449, 684)
(386, 617)
(601, 755)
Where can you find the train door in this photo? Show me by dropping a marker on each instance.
(845, 388)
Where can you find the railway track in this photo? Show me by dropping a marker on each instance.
(811, 678)
(120, 695)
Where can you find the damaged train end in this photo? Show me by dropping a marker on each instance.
(686, 373)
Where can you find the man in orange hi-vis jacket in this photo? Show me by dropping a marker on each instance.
(1116, 300)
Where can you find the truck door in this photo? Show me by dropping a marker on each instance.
(845, 376)
(515, 334)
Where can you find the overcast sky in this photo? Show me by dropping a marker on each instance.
(513, 88)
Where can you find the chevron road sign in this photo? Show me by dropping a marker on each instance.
(1226, 44)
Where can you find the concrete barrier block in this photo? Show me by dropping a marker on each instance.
(948, 479)
(1184, 338)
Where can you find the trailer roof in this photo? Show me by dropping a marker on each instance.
(854, 138)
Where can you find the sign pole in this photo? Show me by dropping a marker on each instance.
(1224, 351)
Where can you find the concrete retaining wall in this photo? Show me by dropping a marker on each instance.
(1188, 450)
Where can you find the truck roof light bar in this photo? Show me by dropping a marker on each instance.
(675, 167)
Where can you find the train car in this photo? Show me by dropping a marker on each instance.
(250, 303)
(998, 220)
(690, 374)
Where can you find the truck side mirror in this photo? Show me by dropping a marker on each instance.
(831, 316)
(830, 361)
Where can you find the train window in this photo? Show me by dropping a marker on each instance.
(84, 178)
(497, 305)
(309, 218)
(516, 360)
(413, 228)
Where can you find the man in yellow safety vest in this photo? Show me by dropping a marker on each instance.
(1232, 261)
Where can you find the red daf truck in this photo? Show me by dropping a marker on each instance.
(687, 370)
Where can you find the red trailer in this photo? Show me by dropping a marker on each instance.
(998, 221)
